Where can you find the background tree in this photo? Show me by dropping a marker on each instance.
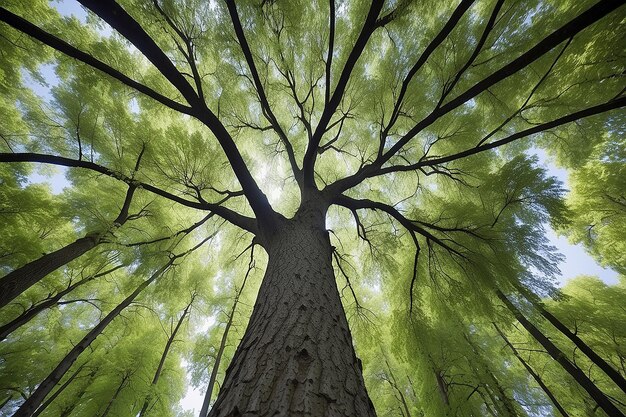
(381, 155)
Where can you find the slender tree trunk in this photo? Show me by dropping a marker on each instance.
(21, 279)
(503, 398)
(30, 405)
(58, 391)
(442, 387)
(218, 358)
(296, 357)
(32, 312)
(591, 354)
(394, 385)
(4, 402)
(532, 373)
(168, 345)
(599, 397)
(67, 411)
(119, 389)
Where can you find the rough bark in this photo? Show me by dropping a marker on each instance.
(16, 282)
(594, 392)
(296, 357)
(532, 373)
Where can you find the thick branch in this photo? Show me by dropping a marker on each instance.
(591, 111)
(46, 38)
(437, 40)
(118, 19)
(370, 171)
(355, 204)
(576, 25)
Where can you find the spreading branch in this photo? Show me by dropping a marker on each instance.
(46, 38)
(233, 217)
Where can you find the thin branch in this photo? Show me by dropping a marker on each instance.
(369, 26)
(233, 217)
(265, 106)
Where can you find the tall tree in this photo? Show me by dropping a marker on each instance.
(301, 123)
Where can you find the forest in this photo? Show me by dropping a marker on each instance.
(336, 208)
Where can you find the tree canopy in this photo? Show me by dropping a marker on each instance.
(189, 132)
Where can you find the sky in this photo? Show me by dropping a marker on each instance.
(577, 261)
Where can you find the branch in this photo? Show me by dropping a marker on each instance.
(437, 40)
(233, 217)
(46, 38)
(308, 165)
(371, 171)
(355, 204)
(265, 106)
(574, 26)
(116, 16)
(331, 47)
(113, 14)
(591, 111)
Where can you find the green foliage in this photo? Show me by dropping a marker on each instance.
(417, 274)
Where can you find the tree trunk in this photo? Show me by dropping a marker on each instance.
(119, 389)
(532, 373)
(591, 354)
(50, 399)
(296, 357)
(218, 358)
(30, 405)
(168, 345)
(594, 392)
(29, 314)
(502, 398)
(21, 279)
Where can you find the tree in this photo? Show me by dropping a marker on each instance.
(295, 126)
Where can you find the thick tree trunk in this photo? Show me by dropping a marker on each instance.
(296, 357)
(532, 373)
(21, 279)
(32, 403)
(594, 392)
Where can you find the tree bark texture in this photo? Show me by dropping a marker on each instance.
(296, 357)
